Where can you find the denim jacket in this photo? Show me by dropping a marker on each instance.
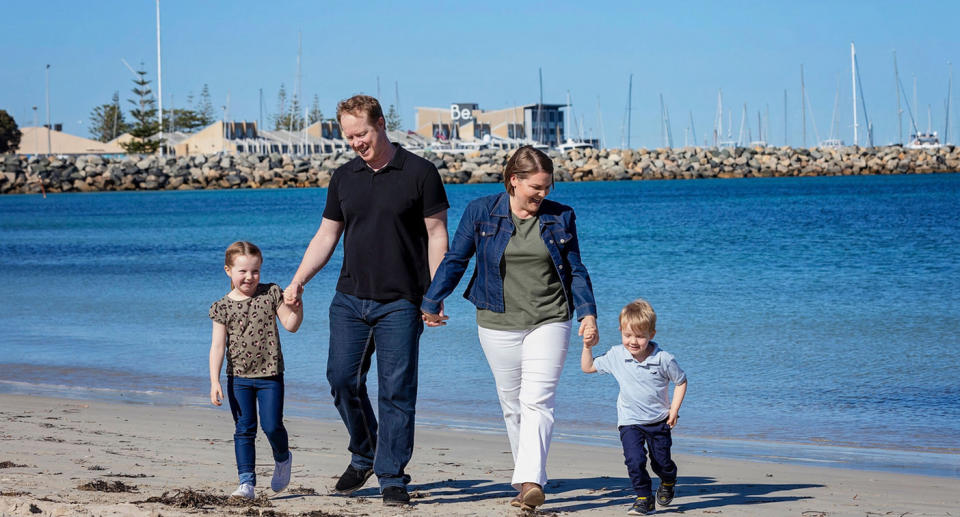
(485, 229)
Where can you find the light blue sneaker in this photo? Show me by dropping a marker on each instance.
(281, 473)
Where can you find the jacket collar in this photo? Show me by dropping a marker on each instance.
(501, 207)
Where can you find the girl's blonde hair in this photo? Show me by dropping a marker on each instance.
(239, 249)
(639, 316)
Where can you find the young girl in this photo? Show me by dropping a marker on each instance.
(245, 326)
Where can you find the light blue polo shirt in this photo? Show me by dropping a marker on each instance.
(643, 395)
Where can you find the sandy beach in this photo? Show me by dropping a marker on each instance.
(64, 457)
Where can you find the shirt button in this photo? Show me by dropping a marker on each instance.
(561, 241)
(561, 266)
(551, 241)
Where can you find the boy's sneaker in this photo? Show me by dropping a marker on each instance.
(352, 480)
(281, 473)
(245, 490)
(642, 506)
(395, 496)
(665, 493)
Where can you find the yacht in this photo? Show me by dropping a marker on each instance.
(924, 140)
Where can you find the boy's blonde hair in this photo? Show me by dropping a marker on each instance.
(639, 316)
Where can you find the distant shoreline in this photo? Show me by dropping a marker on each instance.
(94, 173)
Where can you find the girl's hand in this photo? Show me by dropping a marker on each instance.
(588, 329)
(672, 419)
(216, 394)
(291, 295)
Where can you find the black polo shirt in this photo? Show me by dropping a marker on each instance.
(384, 236)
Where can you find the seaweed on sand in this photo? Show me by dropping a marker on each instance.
(100, 485)
(188, 498)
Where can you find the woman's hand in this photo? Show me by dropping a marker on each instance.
(588, 329)
(435, 320)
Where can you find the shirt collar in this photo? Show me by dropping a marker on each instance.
(399, 157)
(651, 360)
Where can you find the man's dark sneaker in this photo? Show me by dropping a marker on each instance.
(395, 496)
(352, 480)
(665, 493)
(642, 506)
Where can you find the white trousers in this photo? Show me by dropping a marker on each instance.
(526, 366)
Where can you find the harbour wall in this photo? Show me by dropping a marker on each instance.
(92, 173)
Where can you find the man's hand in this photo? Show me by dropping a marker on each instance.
(435, 320)
(292, 294)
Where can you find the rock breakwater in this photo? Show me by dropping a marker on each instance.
(90, 173)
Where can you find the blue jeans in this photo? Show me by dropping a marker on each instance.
(357, 328)
(245, 394)
(657, 439)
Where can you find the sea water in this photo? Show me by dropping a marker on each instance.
(817, 319)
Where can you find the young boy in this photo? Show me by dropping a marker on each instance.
(644, 413)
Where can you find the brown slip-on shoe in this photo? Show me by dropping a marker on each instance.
(531, 495)
(516, 502)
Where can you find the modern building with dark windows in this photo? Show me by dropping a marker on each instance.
(465, 121)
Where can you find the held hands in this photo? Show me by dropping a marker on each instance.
(588, 329)
(216, 394)
(435, 320)
(292, 294)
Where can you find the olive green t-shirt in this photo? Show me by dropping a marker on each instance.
(532, 291)
(253, 340)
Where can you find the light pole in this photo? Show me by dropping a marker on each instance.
(49, 127)
(36, 133)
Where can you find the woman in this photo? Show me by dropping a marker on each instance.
(527, 284)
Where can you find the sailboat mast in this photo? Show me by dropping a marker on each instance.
(663, 123)
(540, 109)
(785, 141)
(803, 107)
(629, 109)
(693, 129)
(946, 122)
(853, 75)
(896, 75)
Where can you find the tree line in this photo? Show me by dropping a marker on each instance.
(108, 121)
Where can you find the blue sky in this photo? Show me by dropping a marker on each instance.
(489, 52)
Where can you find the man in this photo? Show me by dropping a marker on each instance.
(391, 207)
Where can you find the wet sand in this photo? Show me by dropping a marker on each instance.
(64, 457)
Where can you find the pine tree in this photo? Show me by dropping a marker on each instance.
(107, 121)
(9, 133)
(204, 108)
(392, 119)
(144, 112)
(281, 119)
(315, 114)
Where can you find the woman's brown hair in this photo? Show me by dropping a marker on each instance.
(525, 161)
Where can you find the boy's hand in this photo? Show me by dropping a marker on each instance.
(672, 419)
(588, 329)
(216, 394)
